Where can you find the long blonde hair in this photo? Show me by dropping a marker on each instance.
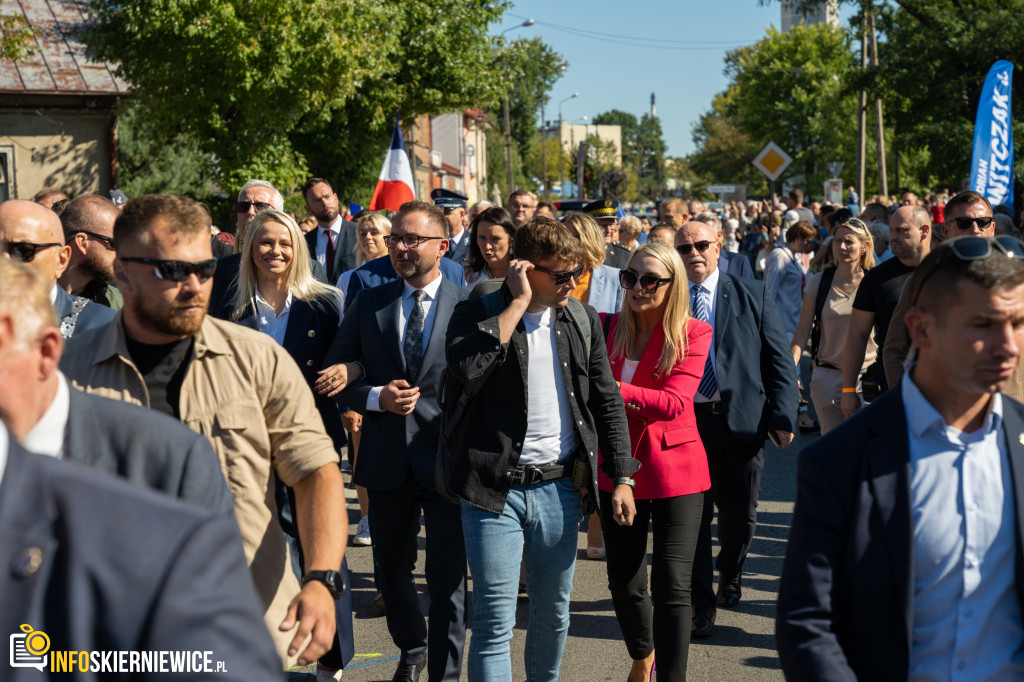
(301, 283)
(591, 236)
(676, 317)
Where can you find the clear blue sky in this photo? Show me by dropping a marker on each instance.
(673, 49)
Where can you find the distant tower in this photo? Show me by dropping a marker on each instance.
(654, 110)
(826, 12)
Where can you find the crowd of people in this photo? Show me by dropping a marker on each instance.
(510, 375)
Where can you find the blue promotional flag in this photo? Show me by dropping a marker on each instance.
(992, 161)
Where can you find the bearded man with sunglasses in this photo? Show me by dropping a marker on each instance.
(903, 555)
(238, 388)
(748, 394)
(32, 234)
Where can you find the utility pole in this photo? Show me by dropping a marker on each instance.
(883, 180)
(862, 106)
(543, 143)
(508, 146)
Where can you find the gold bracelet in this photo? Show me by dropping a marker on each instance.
(849, 390)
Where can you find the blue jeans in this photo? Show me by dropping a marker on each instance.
(539, 524)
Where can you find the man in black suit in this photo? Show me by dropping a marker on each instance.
(333, 242)
(33, 235)
(748, 393)
(606, 213)
(51, 418)
(904, 556)
(100, 565)
(454, 206)
(397, 332)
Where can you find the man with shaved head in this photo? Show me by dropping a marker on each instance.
(32, 234)
(88, 223)
(747, 394)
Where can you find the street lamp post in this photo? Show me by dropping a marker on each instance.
(508, 123)
(561, 164)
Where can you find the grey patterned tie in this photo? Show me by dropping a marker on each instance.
(709, 382)
(412, 346)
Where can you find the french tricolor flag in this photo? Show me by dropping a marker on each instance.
(395, 185)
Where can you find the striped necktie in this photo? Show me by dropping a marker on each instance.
(702, 311)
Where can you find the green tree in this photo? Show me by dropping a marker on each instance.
(643, 149)
(263, 86)
(724, 152)
(17, 38)
(530, 69)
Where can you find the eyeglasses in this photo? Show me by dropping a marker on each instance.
(562, 277)
(109, 241)
(648, 283)
(974, 248)
(178, 270)
(964, 223)
(687, 249)
(409, 241)
(26, 251)
(244, 206)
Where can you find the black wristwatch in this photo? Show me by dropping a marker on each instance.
(331, 580)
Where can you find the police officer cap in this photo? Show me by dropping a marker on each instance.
(602, 208)
(447, 199)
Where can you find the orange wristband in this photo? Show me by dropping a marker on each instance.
(849, 390)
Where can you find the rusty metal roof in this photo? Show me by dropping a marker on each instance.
(59, 65)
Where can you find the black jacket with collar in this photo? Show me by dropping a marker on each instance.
(491, 441)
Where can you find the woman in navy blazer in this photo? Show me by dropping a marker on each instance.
(277, 294)
(657, 352)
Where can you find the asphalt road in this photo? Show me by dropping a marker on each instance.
(741, 648)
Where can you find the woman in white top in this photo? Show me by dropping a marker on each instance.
(853, 252)
(491, 235)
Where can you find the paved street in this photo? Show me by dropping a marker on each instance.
(742, 647)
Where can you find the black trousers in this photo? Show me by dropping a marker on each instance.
(735, 469)
(394, 524)
(658, 620)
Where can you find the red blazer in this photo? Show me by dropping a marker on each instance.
(662, 424)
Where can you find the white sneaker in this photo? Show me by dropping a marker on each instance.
(362, 536)
(327, 675)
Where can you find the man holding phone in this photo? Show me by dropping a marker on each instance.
(748, 393)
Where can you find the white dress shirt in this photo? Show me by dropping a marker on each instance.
(321, 240)
(4, 435)
(711, 284)
(269, 321)
(429, 313)
(966, 614)
(46, 437)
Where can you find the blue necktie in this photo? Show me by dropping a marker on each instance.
(412, 346)
(702, 311)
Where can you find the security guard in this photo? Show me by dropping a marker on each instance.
(454, 206)
(606, 213)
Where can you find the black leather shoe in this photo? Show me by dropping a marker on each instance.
(409, 672)
(729, 592)
(703, 622)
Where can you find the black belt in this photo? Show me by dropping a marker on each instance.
(714, 407)
(825, 365)
(535, 474)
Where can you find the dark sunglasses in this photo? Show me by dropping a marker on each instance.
(975, 248)
(648, 283)
(964, 223)
(109, 241)
(561, 277)
(26, 251)
(244, 206)
(686, 249)
(409, 241)
(178, 270)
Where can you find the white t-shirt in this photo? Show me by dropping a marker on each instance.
(628, 370)
(550, 433)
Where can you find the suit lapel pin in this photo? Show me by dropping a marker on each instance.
(27, 562)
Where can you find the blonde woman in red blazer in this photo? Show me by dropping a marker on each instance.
(657, 353)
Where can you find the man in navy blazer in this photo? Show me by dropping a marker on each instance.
(904, 556)
(333, 242)
(100, 565)
(397, 332)
(747, 394)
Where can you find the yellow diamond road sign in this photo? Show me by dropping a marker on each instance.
(772, 161)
